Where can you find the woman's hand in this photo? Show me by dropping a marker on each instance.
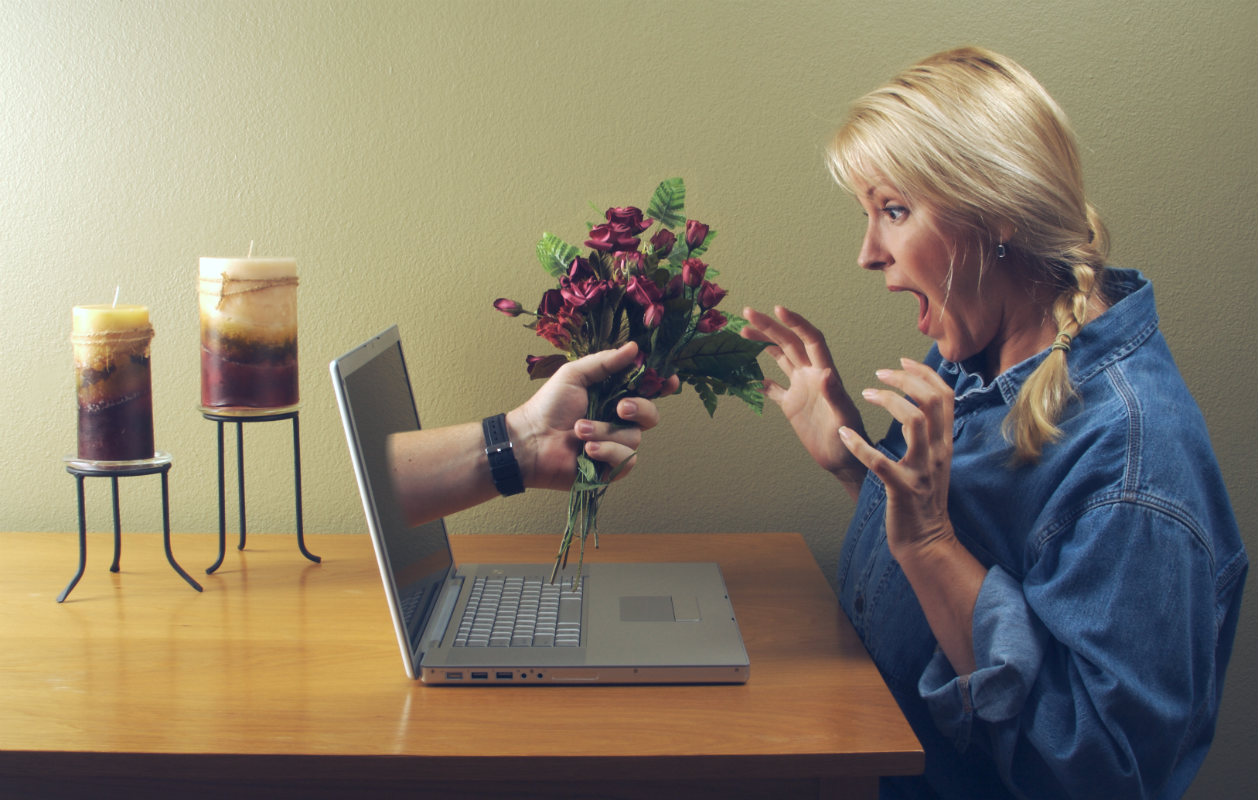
(814, 400)
(944, 575)
(917, 484)
(550, 429)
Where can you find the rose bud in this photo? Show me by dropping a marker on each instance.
(649, 384)
(712, 320)
(552, 301)
(580, 269)
(509, 307)
(696, 233)
(710, 295)
(662, 242)
(692, 272)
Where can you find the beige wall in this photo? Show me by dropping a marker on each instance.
(409, 154)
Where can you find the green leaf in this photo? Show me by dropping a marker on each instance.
(752, 394)
(668, 204)
(555, 254)
(723, 355)
(707, 395)
(733, 322)
(587, 469)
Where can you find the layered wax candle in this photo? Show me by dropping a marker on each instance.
(248, 333)
(113, 382)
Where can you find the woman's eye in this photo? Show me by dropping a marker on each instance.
(895, 213)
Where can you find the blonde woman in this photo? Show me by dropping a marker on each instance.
(1044, 563)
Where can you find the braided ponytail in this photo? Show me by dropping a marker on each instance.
(1032, 422)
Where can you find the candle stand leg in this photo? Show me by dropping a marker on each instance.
(113, 480)
(222, 505)
(301, 538)
(82, 545)
(170, 557)
(240, 479)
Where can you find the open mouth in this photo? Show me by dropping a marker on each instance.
(923, 307)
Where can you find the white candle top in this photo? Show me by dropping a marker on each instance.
(105, 318)
(249, 269)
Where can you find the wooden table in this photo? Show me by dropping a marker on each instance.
(283, 679)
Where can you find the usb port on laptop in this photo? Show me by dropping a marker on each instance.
(480, 676)
(454, 676)
(504, 676)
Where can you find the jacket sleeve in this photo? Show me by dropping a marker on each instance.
(1096, 671)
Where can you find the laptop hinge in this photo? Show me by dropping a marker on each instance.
(440, 620)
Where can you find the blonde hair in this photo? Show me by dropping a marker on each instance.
(977, 139)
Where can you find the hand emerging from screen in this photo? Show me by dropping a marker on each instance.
(550, 429)
(438, 471)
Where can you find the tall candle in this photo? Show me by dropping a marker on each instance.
(113, 382)
(248, 332)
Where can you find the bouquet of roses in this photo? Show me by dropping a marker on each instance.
(659, 294)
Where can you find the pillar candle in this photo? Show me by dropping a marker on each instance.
(113, 382)
(248, 333)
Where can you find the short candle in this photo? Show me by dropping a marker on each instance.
(248, 332)
(113, 381)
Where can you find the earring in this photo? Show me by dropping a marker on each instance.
(1001, 251)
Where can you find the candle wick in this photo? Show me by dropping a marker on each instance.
(250, 248)
(116, 290)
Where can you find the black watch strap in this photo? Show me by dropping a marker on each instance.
(502, 464)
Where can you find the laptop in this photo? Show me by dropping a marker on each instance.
(619, 623)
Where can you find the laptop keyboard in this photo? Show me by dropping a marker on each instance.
(521, 612)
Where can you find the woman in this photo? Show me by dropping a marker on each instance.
(1043, 563)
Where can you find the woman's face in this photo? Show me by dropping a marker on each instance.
(965, 309)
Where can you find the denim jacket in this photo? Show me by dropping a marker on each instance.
(1114, 573)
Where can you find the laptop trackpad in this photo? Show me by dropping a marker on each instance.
(659, 608)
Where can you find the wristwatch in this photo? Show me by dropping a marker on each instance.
(502, 464)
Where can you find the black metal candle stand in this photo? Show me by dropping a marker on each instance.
(240, 417)
(85, 468)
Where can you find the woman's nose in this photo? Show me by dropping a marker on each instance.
(872, 254)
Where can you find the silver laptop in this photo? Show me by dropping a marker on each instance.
(473, 624)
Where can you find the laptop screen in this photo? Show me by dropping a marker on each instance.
(378, 403)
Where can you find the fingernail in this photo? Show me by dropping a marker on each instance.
(883, 374)
(628, 409)
(869, 394)
(585, 427)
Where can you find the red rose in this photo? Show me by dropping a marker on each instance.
(581, 293)
(646, 294)
(710, 295)
(649, 384)
(712, 320)
(662, 242)
(552, 301)
(692, 272)
(628, 217)
(696, 233)
(612, 238)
